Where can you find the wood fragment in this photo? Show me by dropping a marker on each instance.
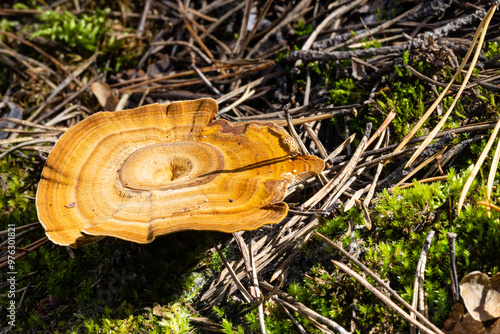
(453, 266)
(418, 285)
(419, 42)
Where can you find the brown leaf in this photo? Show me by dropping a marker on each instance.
(358, 70)
(481, 295)
(157, 310)
(107, 97)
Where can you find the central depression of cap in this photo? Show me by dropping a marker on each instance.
(169, 166)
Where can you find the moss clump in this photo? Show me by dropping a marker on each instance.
(402, 219)
(82, 33)
(107, 286)
(86, 34)
(16, 190)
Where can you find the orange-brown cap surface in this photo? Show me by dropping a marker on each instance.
(137, 174)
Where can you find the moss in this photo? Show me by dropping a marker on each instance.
(87, 34)
(492, 50)
(84, 33)
(16, 189)
(402, 220)
(302, 29)
(173, 318)
(116, 286)
(344, 92)
(106, 286)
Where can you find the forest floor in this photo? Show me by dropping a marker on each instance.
(382, 228)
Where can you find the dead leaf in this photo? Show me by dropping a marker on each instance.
(358, 70)
(107, 97)
(481, 295)
(157, 310)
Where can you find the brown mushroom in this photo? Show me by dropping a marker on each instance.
(137, 174)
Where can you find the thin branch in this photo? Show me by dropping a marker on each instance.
(382, 283)
(419, 275)
(382, 297)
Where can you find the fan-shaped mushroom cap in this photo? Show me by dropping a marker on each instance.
(137, 174)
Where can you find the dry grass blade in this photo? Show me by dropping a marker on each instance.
(63, 84)
(382, 128)
(350, 203)
(340, 148)
(258, 295)
(240, 286)
(294, 133)
(478, 164)
(430, 179)
(243, 27)
(21, 228)
(380, 166)
(240, 90)
(354, 200)
(301, 311)
(27, 143)
(300, 121)
(244, 252)
(257, 23)
(336, 183)
(445, 91)
(436, 129)
(191, 46)
(193, 33)
(295, 322)
(297, 12)
(31, 45)
(34, 125)
(205, 80)
(22, 252)
(379, 281)
(290, 302)
(491, 177)
(15, 140)
(491, 206)
(248, 93)
(382, 27)
(422, 165)
(383, 297)
(335, 14)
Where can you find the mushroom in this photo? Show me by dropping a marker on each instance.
(162, 168)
